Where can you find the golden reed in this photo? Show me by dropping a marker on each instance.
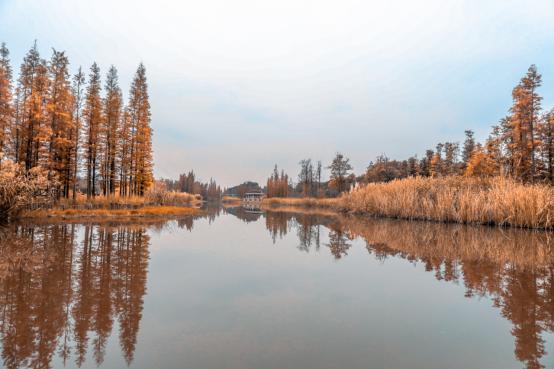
(495, 201)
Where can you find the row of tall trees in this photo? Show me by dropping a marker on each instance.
(66, 125)
(278, 184)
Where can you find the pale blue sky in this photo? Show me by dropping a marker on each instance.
(237, 86)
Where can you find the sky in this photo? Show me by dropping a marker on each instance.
(239, 86)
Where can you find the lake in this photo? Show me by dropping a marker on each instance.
(244, 289)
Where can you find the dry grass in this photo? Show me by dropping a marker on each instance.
(106, 201)
(304, 202)
(147, 211)
(151, 198)
(495, 201)
(172, 198)
(299, 210)
(231, 200)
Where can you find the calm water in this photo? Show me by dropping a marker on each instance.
(243, 290)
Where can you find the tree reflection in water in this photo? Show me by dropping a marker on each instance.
(514, 268)
(62, 288)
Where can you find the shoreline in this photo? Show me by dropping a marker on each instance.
(104, 214)
(494, 202)
(311, 208)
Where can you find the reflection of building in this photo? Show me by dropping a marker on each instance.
(247, 212)
(251, 197)
(252, 208)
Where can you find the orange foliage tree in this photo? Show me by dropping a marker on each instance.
(70, 130)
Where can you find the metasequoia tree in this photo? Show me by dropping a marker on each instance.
(78, 90)
(278, 185)
(92, 118)
(523, 120)
(6, 104)
(59, 115)
(124, 154)
(140, 176)
(32, 132)
(111, 123)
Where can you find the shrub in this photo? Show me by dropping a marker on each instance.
(159, 195)
(19, 188)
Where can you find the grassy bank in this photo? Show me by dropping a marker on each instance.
(142, 212)
(151, 198)
(301, 202)
(154, 204)
(231, 200)
(495, 201)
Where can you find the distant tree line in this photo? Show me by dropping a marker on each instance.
(66, 126)
(310, 182)
(243, 188)
(188, 183)
(520, 146)
(446, 159)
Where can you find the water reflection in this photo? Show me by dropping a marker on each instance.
(64, 286)
(247, 214)
(512, 267)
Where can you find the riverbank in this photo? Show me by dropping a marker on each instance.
(231, 200)
(493, 201)
(102, 213)
(302, 202)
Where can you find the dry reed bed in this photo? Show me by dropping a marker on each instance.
(302, 202)
(495, 201)
(231, 200)
(146, 211)
(151, 198)
(103, 201)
